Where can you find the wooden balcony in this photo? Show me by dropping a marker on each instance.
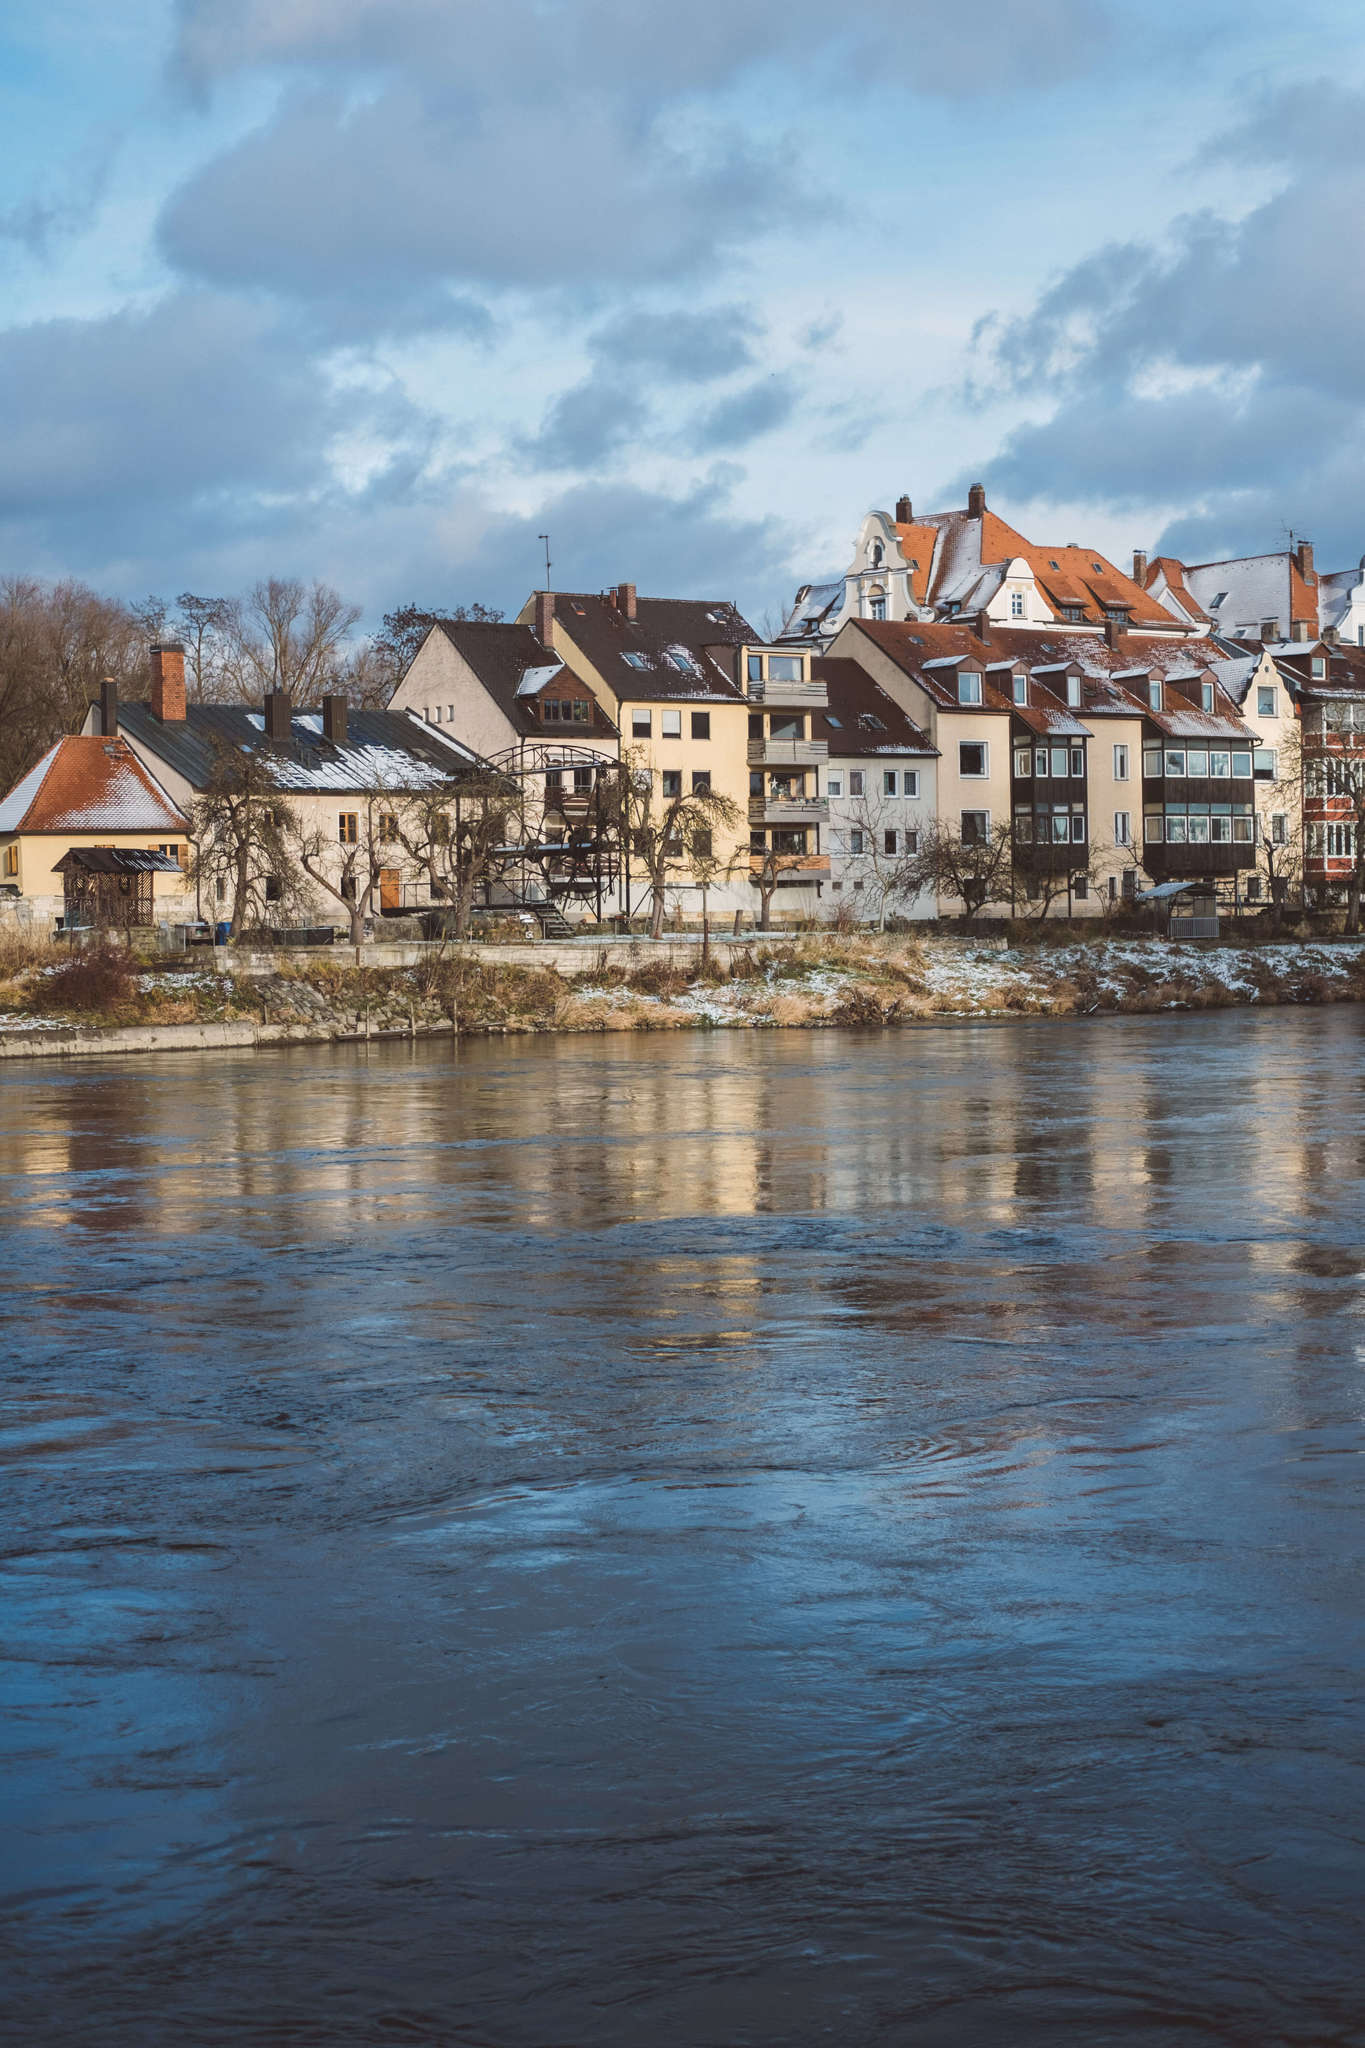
(788, 810)
(802, 696)
(770, 753)
(796, 867)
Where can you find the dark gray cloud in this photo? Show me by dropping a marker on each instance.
(1221, 367)
(587, 425)
(743, 416)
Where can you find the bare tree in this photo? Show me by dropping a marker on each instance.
(766, 877)
(243, 837)
(57, 642)
(975, 869)
(1280, 835)
(670, 837)
(887, 861)
(286, 635)
(407, 627)
(465, 832)
(202, 624)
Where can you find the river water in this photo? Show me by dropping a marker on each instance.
(716, 1539)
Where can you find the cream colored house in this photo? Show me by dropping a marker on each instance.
(92, 796)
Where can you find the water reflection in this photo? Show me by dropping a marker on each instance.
(744, 1539)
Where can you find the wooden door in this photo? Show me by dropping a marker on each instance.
(390, 889)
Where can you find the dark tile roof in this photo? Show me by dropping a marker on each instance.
(679, 647)
(861, 718)
(502, 655)
(380, 746)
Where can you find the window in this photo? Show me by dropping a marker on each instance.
(1016, 604)
(450, 714)
(1175, 761)
(782, 668)
(1073, 692)
(1078, 760)
(877, 608)
(1023, 827)
(1120, 764)
(969, 688)
(1265, 700)
(582, 781)
(220, 890)
(1319, 667)
(670, 725)
(348, 891)
(635, 661)
(889, 842)
(1270, 629)
(1253, 889)
(1206, 695)
(582, 711)
(1080, 888)
(1059, 761)
(1074, 614)
(855, 841)
(834, 785)
(855, 782)
(1021, 689)
(976, 828)
(388, 825)
(1241, 763)
(550, 709)
(1154, 696)
(1279, 828)
(348, 828)
(878, 554)
(1263, 764)
(274, 889)
(1198, 827)
(1040, 761)
(1220, 764)
(889, 782)
(971, 758)
(912, 842)
(1151, 828)
(701, 725)
(671, 780)
(1023, 763)
(11, 860)
(1078, 827)
(437, 719)
(1220, 831)
(681, 660)
(910, 782)
(1123, 828)
(1197, 761)
(755, 668)
(701, 781)
(641, 725)
(702, 845)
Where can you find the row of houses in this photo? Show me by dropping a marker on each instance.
(1109, 734)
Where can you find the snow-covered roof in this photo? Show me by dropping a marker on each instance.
(533, 680)
(89, 784)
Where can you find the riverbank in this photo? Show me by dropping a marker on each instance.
(48, 1009)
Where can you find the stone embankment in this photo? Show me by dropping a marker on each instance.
(311, 998)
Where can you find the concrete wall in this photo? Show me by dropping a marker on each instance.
(567, 956)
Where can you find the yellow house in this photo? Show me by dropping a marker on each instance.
(92, 796)
(668, 672)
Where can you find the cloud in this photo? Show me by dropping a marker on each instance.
(744, 416)
(1218, 369)
(586, 425)
(681, 347)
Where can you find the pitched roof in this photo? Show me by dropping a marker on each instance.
(673, 647)
(381, 748)
(974, 550)
(862, 719)
(1168, 569)
(931, 654)
(1238, 595)
(85, 784)
(117, 860)
(517, 670)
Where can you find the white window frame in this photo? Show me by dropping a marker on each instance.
(1123, 828)
(983, 774)
(1121, 761)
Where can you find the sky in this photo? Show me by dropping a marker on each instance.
(381, 291)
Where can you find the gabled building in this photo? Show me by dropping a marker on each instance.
(880, 778)
(1327, 684)
(1249, 597)
(948, 565)
(90, 836)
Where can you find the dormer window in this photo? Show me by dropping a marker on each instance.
(1021, 689)
(1073, 692)
(1016, 604)
(1154, 696)
(1206, 696)
(969, 687)
(1319, 668)
(1074, 614)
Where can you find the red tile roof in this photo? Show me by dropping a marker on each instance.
(88, 784)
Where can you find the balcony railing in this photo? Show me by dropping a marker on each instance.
(769, 692)
(770, 753)
(788, 810)
(795, 867)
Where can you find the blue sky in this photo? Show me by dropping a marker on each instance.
(379, 290)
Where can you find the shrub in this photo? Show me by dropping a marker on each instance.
(97, 978)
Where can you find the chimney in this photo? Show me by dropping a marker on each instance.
(983, 626)
(545, 618)
(1299, 629)
(278, 715)
(976, 501)
(1270, 631)
(1304, 556)
(334, 720)
(168, 683)
(1114, 630)
(1332, 635)
(625, 600)
(1140, 568)
(904, 512)
(109, 708)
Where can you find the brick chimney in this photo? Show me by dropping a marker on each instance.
(1300, 629)
(168, 683)
(109, 708)
(904, 512)
(983, 626)
(976, 501)
(1303, 555)
(545, 618)
(334, 720)
(625, 600)
(278, 715)
(1140, 568)
(1114, 630)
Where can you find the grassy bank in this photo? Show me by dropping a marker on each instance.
(814, 981)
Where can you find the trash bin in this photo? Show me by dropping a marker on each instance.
(222, 932)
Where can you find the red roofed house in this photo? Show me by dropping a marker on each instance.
(89, 835)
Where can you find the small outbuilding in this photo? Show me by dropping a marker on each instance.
(110, 887)
(92, 795)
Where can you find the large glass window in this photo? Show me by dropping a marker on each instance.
(1220, 764)
(670, 725)
(784, 668)
(1197, 761)
(1241, 762)
(1265, 700)
(1059, 761)
(976, 827)
(1151, 762)
(971, 758)
(1175, 761)
(969, 689)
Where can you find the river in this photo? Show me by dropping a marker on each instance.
(736, 1538)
